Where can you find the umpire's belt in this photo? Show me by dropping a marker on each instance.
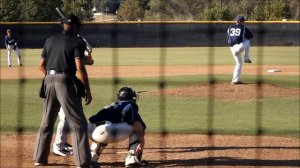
(53, 72)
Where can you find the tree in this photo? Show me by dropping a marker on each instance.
(294, 5)
(271, 10)
(8, 12)
(216, 12)
(38, 10)
(131, 10)
(101, 4)
(82, 8)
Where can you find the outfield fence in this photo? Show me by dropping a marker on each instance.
(148, 34)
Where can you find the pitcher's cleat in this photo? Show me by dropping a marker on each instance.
(248, 61)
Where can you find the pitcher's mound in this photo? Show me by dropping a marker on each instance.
(227, 91)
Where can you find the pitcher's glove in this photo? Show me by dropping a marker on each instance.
(15, 47)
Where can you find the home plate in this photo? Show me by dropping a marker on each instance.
(273, 70)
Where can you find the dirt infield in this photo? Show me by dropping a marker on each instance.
(151, 71)
(228, 92)
(172, 150)
(176, 150)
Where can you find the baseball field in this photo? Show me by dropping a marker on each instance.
(180, 107)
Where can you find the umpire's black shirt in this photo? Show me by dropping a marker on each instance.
(60, 52)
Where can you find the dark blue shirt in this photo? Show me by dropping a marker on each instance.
(118, 112)
(10, 40)
(238, 33)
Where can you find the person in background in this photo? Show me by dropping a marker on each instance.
(10, 41)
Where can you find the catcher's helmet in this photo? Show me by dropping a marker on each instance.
(127, 93)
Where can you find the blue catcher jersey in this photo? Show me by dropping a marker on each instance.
(238, 33)
(118, 112)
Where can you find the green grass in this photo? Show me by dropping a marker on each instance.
(280, 116)
(174, 56)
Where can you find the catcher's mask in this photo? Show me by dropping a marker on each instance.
(73, 20)
(127, 93)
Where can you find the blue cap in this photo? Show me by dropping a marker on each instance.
(240, 18)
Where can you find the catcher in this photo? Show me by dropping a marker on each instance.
(116, 122)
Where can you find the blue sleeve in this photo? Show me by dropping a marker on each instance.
(5, 40)
(139, 118)
(132, 115)
(229, 39)
(15, 39)
(248, 34)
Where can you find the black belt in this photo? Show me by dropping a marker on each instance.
(100, 123)
(236, 43)
(53, 72)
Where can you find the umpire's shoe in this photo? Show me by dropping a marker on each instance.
(92, 165)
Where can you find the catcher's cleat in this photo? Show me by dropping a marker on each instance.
(70, 147)
(248, 61)
(40, 164)
(141, 164)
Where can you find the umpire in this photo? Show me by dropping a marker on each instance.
(61, 57)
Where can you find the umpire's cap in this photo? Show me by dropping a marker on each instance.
(240, 18)
(71, 19)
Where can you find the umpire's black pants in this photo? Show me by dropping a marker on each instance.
(60, 92)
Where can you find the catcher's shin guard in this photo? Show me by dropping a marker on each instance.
(134, 159)
(96, 150)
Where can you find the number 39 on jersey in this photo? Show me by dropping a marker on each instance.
(235, 32)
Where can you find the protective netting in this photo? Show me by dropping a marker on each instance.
(162, 84)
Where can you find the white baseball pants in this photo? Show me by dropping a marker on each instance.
(236, 51)
(112, 133)
(62, 131)
(10, 48)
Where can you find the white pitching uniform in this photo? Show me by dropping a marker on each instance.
(238, 39)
